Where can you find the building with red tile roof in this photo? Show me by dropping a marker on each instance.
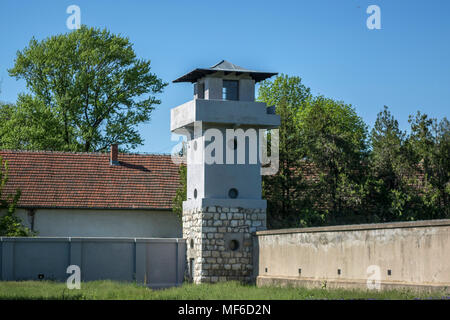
(94, 194)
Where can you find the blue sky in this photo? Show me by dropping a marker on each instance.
(405, 65)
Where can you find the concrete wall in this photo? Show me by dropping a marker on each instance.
(253, 114)
(213, 88)
(216, 179)
(408, 254)
(247, 90)
(155, 262)
(103, 223)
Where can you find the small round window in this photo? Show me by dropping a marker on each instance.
(195, 193)
(234, 245)
(233, 193)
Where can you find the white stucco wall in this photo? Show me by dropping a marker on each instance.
(103, 223)
(417, 253)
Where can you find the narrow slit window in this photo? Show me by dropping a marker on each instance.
(201, 91)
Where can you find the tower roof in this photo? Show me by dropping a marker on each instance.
(226, 67)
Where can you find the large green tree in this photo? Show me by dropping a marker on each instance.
(390, 170)
(429, 142)
(387, 142)
(410, 172)
(30, 125)
(88, 86)
(285, 191)
(335, 141)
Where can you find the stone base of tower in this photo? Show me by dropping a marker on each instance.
(219, 241)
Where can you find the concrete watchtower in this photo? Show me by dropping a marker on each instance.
(224, 128)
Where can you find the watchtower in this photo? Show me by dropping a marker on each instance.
(225, 130)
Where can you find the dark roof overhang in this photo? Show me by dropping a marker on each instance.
(225, 67)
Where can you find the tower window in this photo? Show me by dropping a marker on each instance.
(201, 91)
(230, 90)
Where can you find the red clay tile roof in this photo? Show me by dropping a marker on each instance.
(87, 180)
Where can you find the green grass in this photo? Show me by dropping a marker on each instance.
(106, 290)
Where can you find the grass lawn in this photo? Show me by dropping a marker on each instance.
(106, 290)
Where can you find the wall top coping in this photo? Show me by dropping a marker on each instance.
(358, 227)
(91, 239)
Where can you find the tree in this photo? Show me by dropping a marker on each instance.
(10, 223)
(89, 85)
(429, 142)
(181, 194)
(6, 110)
(284, 190)
(387, 142)
(410, 172)
(390, 169)
(30, 125)
(335, 141)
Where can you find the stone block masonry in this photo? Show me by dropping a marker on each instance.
(219, 242)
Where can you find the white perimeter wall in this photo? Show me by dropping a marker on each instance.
(103, 223)
(417, 254)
